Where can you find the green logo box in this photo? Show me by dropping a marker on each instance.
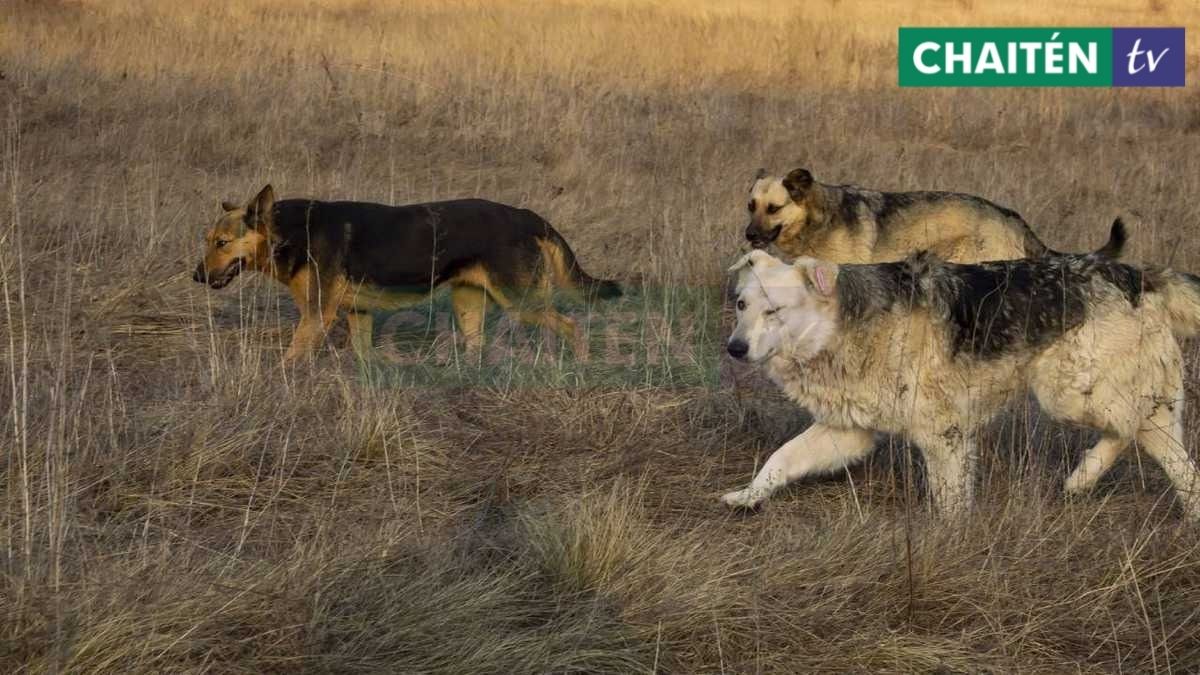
(1005, 57)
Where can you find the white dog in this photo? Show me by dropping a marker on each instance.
(933, 350)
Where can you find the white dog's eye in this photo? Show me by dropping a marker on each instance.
(741, 305)
(769, 312)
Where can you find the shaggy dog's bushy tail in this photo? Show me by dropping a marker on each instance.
(1183, 303)
(1117, 236)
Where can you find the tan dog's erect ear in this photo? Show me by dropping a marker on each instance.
(797, 183)
(755, 258)
(258, 211)
(820, 276)
(229, 206)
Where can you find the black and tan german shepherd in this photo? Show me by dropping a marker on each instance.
(362, 257)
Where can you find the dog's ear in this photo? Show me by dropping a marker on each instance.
(756, 258)
(260, 209)
(797, 183)
(229, 206)
(819, 276)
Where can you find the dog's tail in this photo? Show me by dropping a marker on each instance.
(1183, 303)
(566, 271)
(1117, 236)
(1112, 249)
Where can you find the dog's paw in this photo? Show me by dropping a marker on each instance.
(742, 499)
(1076, 488)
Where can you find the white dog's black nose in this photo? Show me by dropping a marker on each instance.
(737, 348)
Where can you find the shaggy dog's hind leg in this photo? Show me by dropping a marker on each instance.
(1161, 437)
(1093, 465)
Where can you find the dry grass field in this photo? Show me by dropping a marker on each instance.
(175, 500)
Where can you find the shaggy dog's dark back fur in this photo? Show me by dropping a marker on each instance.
(995, 307)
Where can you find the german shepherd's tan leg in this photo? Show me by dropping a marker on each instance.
(552, 319)
(545, 316)
(470, 309)
(309, 333)
(318, 303)
(469, 296)
(361, 326)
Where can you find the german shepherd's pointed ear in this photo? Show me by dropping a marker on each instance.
(818, 275)
(797, 183)
(259, 210)
(229, 206)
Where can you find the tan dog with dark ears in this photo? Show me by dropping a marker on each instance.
(801, 217)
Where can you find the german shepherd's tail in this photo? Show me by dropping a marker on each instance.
(567, 272)
(1183, 302)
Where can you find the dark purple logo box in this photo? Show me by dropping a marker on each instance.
(1148, 57)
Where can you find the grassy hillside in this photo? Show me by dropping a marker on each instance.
(175, 500)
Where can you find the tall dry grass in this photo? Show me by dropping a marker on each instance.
(174, 500)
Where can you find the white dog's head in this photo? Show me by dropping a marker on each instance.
(787, 310)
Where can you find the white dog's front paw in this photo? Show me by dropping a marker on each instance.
(745, 499)
(1073, 487)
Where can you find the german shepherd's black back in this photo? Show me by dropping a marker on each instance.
(419, 246)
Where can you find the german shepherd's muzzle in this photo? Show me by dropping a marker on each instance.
(219, 279)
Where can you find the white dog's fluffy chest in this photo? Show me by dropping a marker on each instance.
(833, 395)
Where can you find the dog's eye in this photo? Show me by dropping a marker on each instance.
(222, 242)
(769, 312)
(741, 305)
(750, 206)
(773, 209)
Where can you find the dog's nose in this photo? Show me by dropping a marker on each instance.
(199, 275)
(737, 348)
(753, 233)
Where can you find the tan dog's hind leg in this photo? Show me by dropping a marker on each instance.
(361, 326)
(1161, 437)
(819, 449)
(552, 319)
(1093, 465)
(470, 309)
(474, 294)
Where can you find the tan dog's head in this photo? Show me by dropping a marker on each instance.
(779, 207)
(786, 310)
(237, 241)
